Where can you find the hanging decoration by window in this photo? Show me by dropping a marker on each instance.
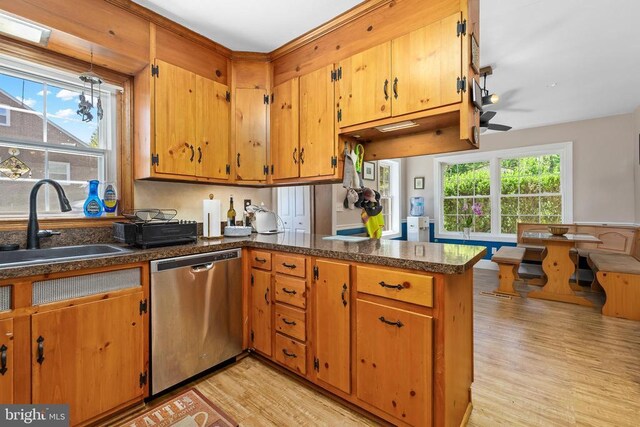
(90, 80)
(13, 167)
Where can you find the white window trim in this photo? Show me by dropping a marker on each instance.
(7, 115)
(396, 229)
(565, 149)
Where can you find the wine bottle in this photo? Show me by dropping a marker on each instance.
(231, 214)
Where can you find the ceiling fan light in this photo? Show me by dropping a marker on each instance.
(494, 98)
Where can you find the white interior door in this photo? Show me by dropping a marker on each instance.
(294, 207)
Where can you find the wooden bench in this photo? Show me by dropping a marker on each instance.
(508, 259)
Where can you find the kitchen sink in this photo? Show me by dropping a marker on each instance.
(62, 253)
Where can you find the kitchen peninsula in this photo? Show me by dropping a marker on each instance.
(385, 325)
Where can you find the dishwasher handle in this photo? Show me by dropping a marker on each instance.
(202, 267)
(197, 263)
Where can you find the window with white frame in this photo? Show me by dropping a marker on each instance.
(50, 138)
(389, 189)
(491, 192)
(5, 117)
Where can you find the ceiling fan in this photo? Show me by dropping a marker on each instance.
(489, 99)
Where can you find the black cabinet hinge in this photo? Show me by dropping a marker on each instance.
(228, 169)
(266, 99)
(227, 96)
(461, 85)
(334, 162)
(252, 336)
(273, 97)
(316, 364)
(143, 306)
(252, 280)
(155, 159)
(336, 74)
(462, 28)
(333, 75)
(155, 71)
(340, 114)
(339, 74)
(143, 379)
(316, 272)
(265, 169)
(272, 168)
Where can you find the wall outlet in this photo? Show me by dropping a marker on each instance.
(494, 250)
(339, 207)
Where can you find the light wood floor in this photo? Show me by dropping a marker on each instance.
(537, 363)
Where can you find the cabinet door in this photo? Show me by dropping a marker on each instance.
(251, 134)
(175, 120)
(261, 303)
(364, 86)
(426, 65)
(89, 356)
(332, 326)
(6, 361)
(212, 152)
(394, 352)
(317, 123)
(284, 130)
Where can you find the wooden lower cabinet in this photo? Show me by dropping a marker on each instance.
(89, 356)
(261, 299)
(291, 353)
(6, 361)
(394, 361)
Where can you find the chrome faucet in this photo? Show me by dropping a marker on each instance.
(33, 232)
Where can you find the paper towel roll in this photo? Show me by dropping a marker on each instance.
(211, 218)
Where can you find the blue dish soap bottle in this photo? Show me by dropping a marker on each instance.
(110, 199)
(93, 204)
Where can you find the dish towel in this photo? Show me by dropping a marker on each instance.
(350, 177)
(373, 224)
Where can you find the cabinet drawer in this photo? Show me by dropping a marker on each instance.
(291, 353)
(291, 265)
(398, 285)
(291, 322)
(291, 291)
(261, 260)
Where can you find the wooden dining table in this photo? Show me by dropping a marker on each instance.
(558, 265)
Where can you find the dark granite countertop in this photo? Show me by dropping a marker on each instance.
(432, 257)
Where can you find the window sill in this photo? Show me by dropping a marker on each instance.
(10, 224)
(482, 237)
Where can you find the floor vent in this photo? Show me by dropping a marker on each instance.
(494, 294)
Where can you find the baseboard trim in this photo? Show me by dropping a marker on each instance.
(467, 415)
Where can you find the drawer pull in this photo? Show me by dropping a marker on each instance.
(3, 359)
(289, 322)
(399, 324)
(287, 354)
(265, 296)
(289, 291)
(260, 260)
(291, 266)
(385, 285)
(344, 292)
(40, 342)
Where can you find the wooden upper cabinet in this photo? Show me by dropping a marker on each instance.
(261, 309)
(6, 361)
(426, 64)
(317, 124)
(212, 148)
(285, 116)
(251, 134)
(89, 356)
(175, 120)
(364, 86)
(332, 324)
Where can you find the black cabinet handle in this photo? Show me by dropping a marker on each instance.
(289, 322)
(302, 155)
(291, 266)
(384, 285)
(40, 357)
(260, 260)
(238, 160)
(295, 158)
(287, 354)
(386, 89)
(399, 324)
(3, 359)
(289, 291)
(193, 153)
(266, 293)
(344, 293)
(199, 155)
(395, 88)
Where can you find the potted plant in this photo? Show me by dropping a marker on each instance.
(468, 212)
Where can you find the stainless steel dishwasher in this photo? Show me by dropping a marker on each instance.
(196, 315)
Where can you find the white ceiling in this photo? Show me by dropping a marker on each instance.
(250, 25)
(590, 49)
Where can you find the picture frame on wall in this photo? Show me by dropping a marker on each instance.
(418, 183)
(369, 171)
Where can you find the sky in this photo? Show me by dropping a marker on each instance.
(62, 104)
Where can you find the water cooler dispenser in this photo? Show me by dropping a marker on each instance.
(418, 228)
